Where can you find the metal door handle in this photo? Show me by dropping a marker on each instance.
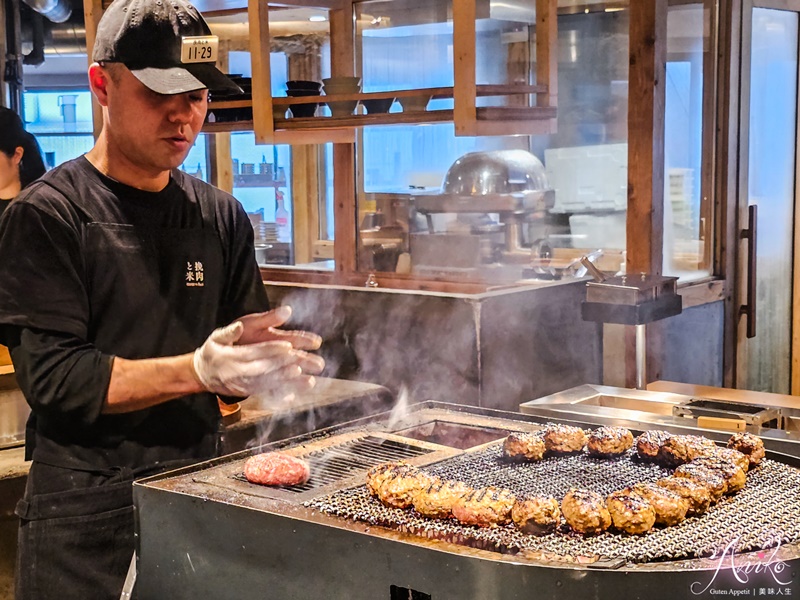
(749, 234)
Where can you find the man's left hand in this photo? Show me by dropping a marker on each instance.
(263, 327)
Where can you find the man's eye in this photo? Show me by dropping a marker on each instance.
(197, 97)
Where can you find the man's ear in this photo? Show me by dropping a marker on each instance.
(99, 80)
(19, 151)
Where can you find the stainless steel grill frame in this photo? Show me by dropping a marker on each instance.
(204, 533)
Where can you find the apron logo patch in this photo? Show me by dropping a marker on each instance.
(194, 274)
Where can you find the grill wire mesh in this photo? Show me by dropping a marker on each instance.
(335, 463)
(764, 514)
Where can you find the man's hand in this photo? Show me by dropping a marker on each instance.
(250, 356)
(262, 327)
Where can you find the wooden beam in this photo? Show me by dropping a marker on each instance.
(646, 101)
(647, 79)
(258, 18)
(344, 201)
(464, 78)
(547, 51)
(342, 53)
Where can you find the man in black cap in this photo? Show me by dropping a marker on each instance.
(130, 300)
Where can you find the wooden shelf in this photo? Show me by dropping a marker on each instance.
(220, 104)
(241, 180)
(227, 126)
(316, 123)
(434, 93)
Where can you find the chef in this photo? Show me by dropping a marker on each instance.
(131, 300)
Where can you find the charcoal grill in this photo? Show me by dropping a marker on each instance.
(204, 531)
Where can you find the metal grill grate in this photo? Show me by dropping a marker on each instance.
(761, 516)
(334, 463)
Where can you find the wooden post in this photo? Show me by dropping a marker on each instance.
(344, 201)
(465, 86)
(647, 98)
(647, 79)
(258, 18)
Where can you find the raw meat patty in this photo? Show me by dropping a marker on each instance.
(276, 468)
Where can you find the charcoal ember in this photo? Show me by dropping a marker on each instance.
(276, 468)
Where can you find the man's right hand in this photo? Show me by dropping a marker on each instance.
(224, 365)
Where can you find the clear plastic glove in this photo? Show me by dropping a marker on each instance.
(271, 367)
(263, 327)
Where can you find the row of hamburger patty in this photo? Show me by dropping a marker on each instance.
(704, 472)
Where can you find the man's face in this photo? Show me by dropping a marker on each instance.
(154, 132)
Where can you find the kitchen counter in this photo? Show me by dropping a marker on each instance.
(728, 394)
(12, 463)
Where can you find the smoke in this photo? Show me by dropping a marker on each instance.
(494, 351)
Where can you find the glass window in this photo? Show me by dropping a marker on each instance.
(61, 121)
(402, 168)
(688, 217)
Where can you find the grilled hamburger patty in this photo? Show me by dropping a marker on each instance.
(731, 455)
(696, 492)
(609, 441)
(681, 449)
(749, 445)
(436, 500)
(524, 446)
(276, 468)
(735, 478)
(561, 439)
(396, 483)
(713, 481)
(669, 506)
(536, 514)
(585, 511)
(484, 507)
(630, 512)
(648, 445)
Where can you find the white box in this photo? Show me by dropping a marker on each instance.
(588, 178)
(598, 231)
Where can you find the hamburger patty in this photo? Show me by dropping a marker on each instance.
(276, 468)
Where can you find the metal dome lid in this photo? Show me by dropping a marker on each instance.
(495, 172)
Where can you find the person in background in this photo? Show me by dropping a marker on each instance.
(136, 304)
(20, 157)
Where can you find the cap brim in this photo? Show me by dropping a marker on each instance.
(179, 80)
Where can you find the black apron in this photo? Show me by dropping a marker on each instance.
(76, 533)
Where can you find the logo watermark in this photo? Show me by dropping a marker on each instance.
(774, 572)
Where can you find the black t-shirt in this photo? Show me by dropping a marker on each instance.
(4, 205)
(91, 269)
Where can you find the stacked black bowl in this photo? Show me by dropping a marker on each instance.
(234, 114)
(297, 88)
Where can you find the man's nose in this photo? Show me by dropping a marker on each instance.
(180, 108)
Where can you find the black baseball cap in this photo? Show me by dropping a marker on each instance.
(166, 44)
